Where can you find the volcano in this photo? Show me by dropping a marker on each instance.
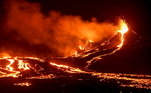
(58, 53)
(24, 71)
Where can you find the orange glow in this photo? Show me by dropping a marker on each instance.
(63, 66)
(12, 71)
(84, 48)
(135, 79)
(23, 84)
(123, 29)
(8, 67)
(22, 65)
(91, 41)
(67, 68)
(81, 48)
(74, 39)
(59, 33)
(120, 31)
(4, 55)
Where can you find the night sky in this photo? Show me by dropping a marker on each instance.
(134, 57)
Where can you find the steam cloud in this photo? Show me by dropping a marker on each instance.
(62, 34)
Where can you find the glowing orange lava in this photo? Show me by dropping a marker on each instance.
(23, 84)
(123, 29)
(83, 51)
(18, 66)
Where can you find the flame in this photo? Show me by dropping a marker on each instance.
(123, 29)
(91, 45)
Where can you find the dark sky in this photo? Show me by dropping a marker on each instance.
(135, 56)
(136, 12)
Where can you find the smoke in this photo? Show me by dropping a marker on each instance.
(62, 34)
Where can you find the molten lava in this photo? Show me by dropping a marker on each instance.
(37, 68)
(123, 29)
(81, 42)
(15, 66)
(59, 46)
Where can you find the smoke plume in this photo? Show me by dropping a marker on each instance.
(58, 33)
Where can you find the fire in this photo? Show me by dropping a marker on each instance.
(91, 45)
(123, 29)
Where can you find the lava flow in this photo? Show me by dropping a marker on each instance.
(60, 46)
(16, 66)
(48, 68)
